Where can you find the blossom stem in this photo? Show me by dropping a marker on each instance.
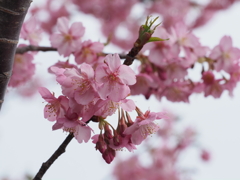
(46, 165)
(24, 49)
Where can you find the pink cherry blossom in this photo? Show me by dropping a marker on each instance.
(77, 84)
(87, 52)
(30, 31)
(114, 78)
(56, 107)
(143, 126)
(225, 55)
(69, 39)
(70, 122)
(23, 69)
(211, 85)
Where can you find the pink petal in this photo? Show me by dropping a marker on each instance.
(113, 62)
(86, 97)
(88, 70)
(127, 75)
(77, 30)
(104, 90)
(82, 133)
(119, 92)
(100, 73)
(137, 138)
(226, 43)
(127, 105)
(62, 25)
(46, 94)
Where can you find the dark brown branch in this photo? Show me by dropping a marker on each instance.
(24, 49)
(133, 52)
(12, 14)
(45, 166)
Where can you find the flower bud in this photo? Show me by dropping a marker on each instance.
(107, 132)
(101, 145)
(109, 155)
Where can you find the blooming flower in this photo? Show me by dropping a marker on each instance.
(31, 32)
(114, 78)
(144, 126)
(23, 69)
(77, 84)
(88, 52)
(225, 54)
(68, 40)
(56, 106)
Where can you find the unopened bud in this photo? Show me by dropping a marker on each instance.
(129, 119)
(117, 140)
(107, 132)
(109, 155)
(122, 124)
(101, 145)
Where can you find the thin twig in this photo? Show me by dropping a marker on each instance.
(45, 166)
(24, 49)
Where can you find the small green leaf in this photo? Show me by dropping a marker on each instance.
(153, 39)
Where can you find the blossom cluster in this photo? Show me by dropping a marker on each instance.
(93, 90)
(93, 95)
(165, 71)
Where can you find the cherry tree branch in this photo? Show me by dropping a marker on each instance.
(12, 14)
(61, 149)
(22, 50)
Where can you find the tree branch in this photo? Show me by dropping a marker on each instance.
(61, 149)
(24, 49)
(12, 14)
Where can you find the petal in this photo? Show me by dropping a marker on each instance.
(77, 30)
(62, 25)
(82, 133)
(86, 97)
(131, 129)
(119, 92)
(226, 43)
(88, 70)
(113, 62)
(101, 74)
(137, 138)
(46, 94)
(127, 75)
(104, 90)
(127, 105)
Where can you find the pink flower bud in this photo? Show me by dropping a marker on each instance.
(108, 133)
(109, 155)
(101, 145)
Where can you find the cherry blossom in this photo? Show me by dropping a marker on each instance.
(69, 39)
(23, 69)
(77, 84)
(56, 106)
(114, 78)
(87, 52)
(225, 55)
(143, 126)
(30, 31)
